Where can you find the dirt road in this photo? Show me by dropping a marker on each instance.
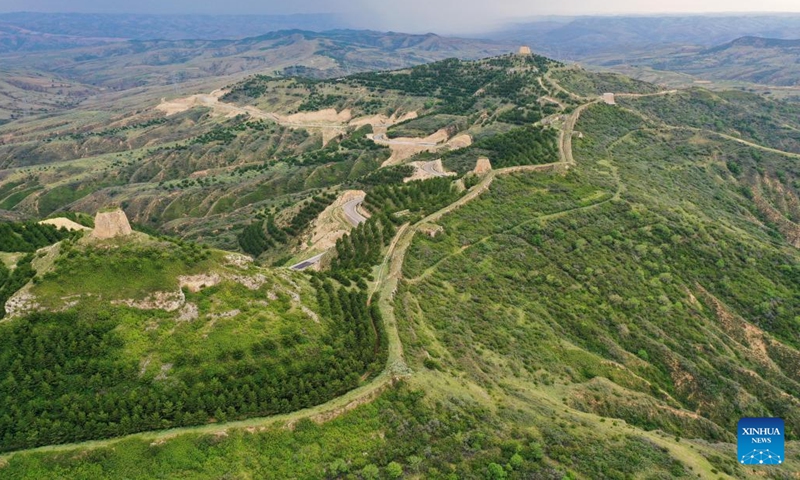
(433, 168)
(565, 143)
(381, 139)
(642, 95)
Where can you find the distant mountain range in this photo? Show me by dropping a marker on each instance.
(165, 27)
(757, 49)
(578, 38)
(17, 39)
(757, 60)
(756, 42)
(46, 72)
(768, 61)
(119, 65)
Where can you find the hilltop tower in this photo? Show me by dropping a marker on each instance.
(525, 50)
(111, 224)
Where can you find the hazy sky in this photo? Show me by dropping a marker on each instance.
(408, 15)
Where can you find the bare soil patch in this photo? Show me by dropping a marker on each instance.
(64, 223)
(483, 166)
(404, 148)
(180, 105)
(426, 170)
(195, 283)
(460, 141)
(329, 122)
(324, 117)
(167, 301)
(381, 122)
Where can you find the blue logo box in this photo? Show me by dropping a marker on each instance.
(761, 441)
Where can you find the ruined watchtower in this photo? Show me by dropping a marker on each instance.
(110, 224)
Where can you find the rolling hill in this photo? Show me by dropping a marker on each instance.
(573, 288)
(765, 61)
(580, 38)
(14, 39)
(43, 73)
(163, 27)
(124, 65)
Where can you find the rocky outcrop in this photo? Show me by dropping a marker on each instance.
(431, 230)
(111, 224)
(195, 283)
(168, 301)
(21, 303)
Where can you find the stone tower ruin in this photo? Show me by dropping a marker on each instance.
(111, 224)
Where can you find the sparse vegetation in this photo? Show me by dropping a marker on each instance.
(13, 280)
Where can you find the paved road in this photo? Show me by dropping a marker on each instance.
(307, 263)
(353, 216)
(351, 212)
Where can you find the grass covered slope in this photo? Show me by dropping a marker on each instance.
(611, 320)
(400, 435)
(133, 334)
(738, 114)
(587, 84)
(641, 286)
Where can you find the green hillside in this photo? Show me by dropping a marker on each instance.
(204, 176)
(758, 60)
(605, 302)
(158, 334)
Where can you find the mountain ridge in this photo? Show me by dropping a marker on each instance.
(604, 301)
(757, 42)
(172, 27)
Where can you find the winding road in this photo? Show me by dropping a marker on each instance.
(351, 212)
(434, 168)
(353, 216)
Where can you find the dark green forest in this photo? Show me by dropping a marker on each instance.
(262, 235)
(29, 236)
(65, 379)
(456, 83)
(529, 145)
